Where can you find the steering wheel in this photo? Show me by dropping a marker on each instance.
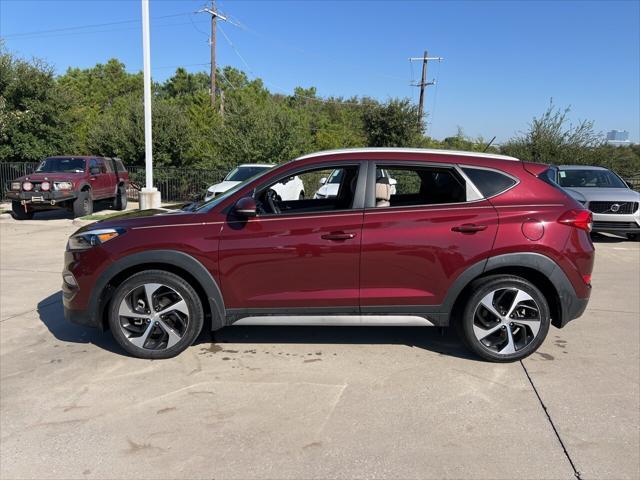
(272, 199)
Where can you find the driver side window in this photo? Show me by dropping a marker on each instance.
(311, 191)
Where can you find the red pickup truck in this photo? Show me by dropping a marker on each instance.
(70, 182)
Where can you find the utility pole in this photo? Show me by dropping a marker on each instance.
(212, 44)
(149, 196)
(423, 81)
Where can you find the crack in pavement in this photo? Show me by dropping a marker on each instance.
(553, 426)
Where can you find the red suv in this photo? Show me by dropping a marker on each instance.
(73, 183)
(481, 241)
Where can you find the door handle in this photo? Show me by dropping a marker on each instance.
(338, 236)
(469, 228)
(92, 179)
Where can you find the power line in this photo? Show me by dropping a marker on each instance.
(94, 25)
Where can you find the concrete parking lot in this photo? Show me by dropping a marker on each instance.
(272, 402)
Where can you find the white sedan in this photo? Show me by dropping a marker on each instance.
(330, 184)
(292, 189)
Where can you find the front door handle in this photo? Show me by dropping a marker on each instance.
(336, 236)
(469, 228)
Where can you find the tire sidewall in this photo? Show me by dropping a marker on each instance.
(80, 208)
(121, 199)
(482, 288)
(196, 314)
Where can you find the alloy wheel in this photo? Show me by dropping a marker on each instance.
(506, 320)
(153, 316)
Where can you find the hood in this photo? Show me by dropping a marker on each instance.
(145, 218)
(222, 186)
(607, 194)
(575, 195)
(52, 177)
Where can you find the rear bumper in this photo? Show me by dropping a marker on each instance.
(41, 198)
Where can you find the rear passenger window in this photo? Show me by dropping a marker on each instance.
(119, 165)
(489, 182)
(415, 185)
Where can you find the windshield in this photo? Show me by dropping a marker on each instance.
(336, 176)
(66, 165)
(590, 178)
(240, 174)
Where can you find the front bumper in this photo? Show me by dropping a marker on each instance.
(50, 197)
(616, 223)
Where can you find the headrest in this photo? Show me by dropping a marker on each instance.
(383, 189)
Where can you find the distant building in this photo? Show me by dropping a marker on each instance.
(618, 138)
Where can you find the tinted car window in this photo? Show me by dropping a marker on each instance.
(67, 165)
(414, 185)
(119, 165)
(489, 182)
(589, 178)
(342, 198)
(109, 164)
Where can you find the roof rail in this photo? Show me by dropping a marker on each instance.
(460, 153)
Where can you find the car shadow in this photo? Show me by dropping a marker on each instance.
(61, 213)
(51, 314)
(442, 341)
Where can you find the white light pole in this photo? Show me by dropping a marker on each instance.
(149, 196)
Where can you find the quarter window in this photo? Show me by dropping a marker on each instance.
(489, 182)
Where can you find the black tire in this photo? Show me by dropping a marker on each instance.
(632, 236)
(169, 281)
(83, 205)
(19, 213)
(120, 202)
(485, 286)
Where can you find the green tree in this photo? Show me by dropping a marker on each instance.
(393, 124)
(32, 110)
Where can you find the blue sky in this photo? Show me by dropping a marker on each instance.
(504, 60)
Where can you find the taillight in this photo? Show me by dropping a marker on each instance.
(581, 219)
(586, 279)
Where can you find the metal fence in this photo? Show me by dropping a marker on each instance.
(175, 184)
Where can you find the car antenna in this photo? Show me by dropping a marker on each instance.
(489, 144)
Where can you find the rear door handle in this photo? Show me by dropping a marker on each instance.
(338, 236)
(469, 228)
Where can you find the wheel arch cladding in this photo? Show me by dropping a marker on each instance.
(539, 269)
(179, 263)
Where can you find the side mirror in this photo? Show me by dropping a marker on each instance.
(323, 180)
(246, 207)
(94, 171)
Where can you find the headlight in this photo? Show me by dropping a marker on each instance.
(15, 185)
(27, 186)
(62, 185)
(45, 186)
(92, 238)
